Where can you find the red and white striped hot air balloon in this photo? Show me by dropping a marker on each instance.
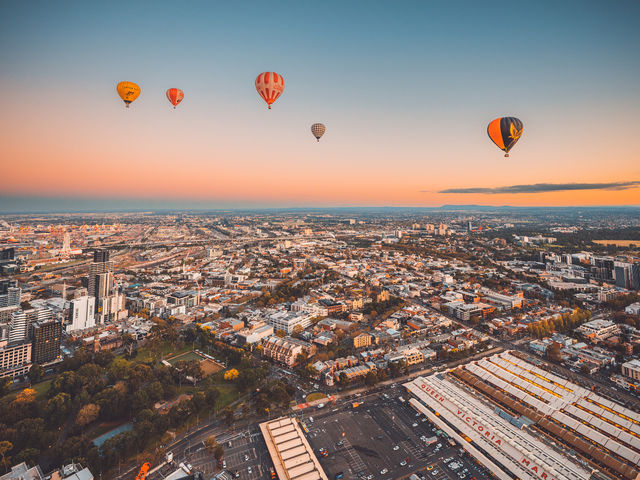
(175, 96)
(270, 86)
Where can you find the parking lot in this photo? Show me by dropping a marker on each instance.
(244, 452)
(381, 438)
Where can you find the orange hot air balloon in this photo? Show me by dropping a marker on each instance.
(175, 96)
(128, 92)
(270, 86)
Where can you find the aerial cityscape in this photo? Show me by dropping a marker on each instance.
(320, 242)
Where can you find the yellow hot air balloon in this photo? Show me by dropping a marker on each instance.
(128, 92)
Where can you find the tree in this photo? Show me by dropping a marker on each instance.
(58, 408)
(211, 395)
(228, 416)
(28, 395)
(36, 372)
(554, 352)
(5, 447)
(231, 375)
(371, 379)
(87, 414)
(128, 342)
(211, 443)
(218, 452)
(5, 383)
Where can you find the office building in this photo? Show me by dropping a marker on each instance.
(15, 359)
(631, 369)
(46, 337)
(10, 293)
(287, 321)
(81, 314)
(22, 319)
(285, 350)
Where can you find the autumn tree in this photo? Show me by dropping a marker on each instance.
(5, 447)
(87, 414)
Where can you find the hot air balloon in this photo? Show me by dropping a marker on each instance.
(505, 132)
(175, 96)
(128, 92)
(318, 130)
(270, 86)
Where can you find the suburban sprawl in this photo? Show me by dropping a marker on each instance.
(312, 345)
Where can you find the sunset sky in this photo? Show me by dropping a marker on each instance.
(406, 90)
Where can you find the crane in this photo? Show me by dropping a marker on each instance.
(142, 474)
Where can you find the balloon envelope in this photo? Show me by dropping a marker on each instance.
(318, 130)
(505, 132)
(128, 92)
(270, 86)
(175, 96)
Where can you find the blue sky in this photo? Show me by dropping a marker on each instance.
(412, 80)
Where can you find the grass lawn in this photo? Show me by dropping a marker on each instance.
(315, 396)
(227, 395)
(41, 390)
(167, 350)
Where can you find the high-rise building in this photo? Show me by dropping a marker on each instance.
(7, 255)
(635, 276)
(46, 337)
(15, 359)
(10, 293)
(621, 275)
(22, 319)
(603, 268)
(100, 279)
(66, 242)
(108, 302)
(81, 313)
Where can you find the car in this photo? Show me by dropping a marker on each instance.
(246, 458)
(435, 472)
(396, 448)
(403, 463)
(462, 475)
(439, 446)
(414, 425)
(236, 474)
(228, 444)
(249, 469)
(429, 467)
(339, 475)
(224, 464)
(340, 443)
(383, 471)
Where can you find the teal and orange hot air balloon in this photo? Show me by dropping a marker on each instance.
(505, 132)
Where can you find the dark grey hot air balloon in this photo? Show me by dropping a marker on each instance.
(318, 130)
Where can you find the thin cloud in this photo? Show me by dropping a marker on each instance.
(545, 187)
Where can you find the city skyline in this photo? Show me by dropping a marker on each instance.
(406, 94)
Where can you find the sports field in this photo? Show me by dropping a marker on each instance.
(187, 356)
(209, 367)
